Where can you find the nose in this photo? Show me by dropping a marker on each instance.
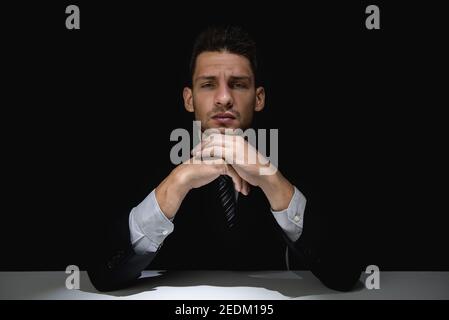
(223, 97)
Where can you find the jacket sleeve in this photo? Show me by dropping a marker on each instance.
(113, 263)
(327, 248)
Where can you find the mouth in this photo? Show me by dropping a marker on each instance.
(224, 117)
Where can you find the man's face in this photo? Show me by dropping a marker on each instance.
(223, 93)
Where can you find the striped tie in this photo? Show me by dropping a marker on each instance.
(226, 194)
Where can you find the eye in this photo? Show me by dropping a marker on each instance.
(207, 85)
(240, 85)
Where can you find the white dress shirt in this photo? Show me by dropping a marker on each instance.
(149, 226)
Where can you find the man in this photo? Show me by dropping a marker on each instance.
(192, 219)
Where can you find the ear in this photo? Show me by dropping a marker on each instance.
(260, 99)
(188, 99)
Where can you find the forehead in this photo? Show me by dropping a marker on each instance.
(214, 63)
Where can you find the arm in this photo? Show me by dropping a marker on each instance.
(286, 202)
(134, 238)
(291, 219)
(332, 261)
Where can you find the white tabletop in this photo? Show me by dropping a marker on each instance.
(224, 285)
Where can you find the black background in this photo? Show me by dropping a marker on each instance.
(357, 110)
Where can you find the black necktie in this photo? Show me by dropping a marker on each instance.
(226, 195)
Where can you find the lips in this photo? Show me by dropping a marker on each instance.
(223, 116)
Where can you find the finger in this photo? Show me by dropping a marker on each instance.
(207, 158)
(236, 149)
(195, 150)
(198, 147)
(217, 140)
(211, 152)
(219, 153)
(201, 145)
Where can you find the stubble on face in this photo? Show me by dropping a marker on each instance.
(223, 86)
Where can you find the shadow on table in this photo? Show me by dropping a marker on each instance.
(293, 284)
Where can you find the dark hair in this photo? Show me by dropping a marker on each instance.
(232, 39)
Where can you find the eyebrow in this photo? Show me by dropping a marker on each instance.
(241, 78)
(248, 78)
(205, 78)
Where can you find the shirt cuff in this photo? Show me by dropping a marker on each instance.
(291, 219)
(148, 225)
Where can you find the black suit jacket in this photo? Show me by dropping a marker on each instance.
(201, 240)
